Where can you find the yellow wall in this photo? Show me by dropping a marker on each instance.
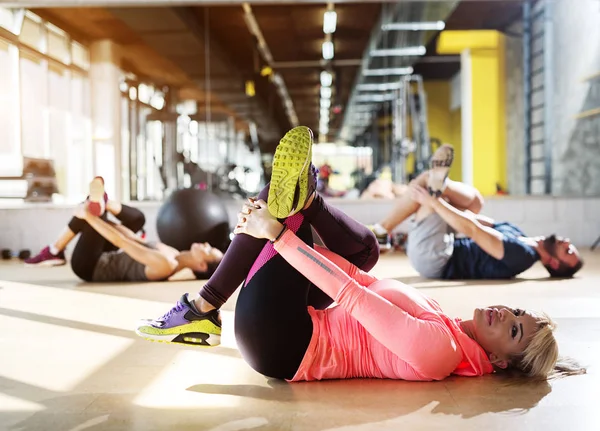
(444, 124)
(485, 49)
(489, 130)
(456, 140)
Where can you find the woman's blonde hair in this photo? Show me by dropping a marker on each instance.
(540, 359)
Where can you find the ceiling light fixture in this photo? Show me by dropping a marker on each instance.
(325, 103)
(326, 92)
(390, 71)
(326, 78)
(329, 22)
(327, 50)
(399, 52)
(414, 26)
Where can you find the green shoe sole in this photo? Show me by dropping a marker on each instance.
(291, 164)
(201, 333)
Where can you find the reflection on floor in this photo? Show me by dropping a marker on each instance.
(70, 361)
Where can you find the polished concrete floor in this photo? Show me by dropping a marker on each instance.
(70, 361)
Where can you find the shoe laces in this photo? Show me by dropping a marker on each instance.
(179, 307)
(315, 170)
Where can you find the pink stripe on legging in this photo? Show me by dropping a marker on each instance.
(293, 223)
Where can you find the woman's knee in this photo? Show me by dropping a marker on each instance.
(76, 225)
(421, 179)
(138, 223)
(264, 193)
(372, 251)
(132, 218)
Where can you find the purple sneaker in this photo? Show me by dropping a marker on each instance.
(45, 258)
(313, 179)
(183, 324)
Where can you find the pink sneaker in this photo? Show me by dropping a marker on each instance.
(96, 198)
(46, 258)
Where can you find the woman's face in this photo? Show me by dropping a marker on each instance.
(503, 332)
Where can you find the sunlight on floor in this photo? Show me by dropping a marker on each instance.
(13, 404)
(79, 306)
(59, 358)
(242, 424)
(69, 360)
(168, 389)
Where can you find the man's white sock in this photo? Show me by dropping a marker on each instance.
(379, 230)
(54, 250)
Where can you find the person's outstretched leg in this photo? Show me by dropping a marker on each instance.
(272, 325)
(233, 269)
(132, 218)
(291, 186)
(88, 250)
(197, 321)
(91, 244)
(463, 196)
(296, 186)
(342, 234)
(53, 254)
(436, 179)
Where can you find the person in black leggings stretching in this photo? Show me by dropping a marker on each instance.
(255, 261)
(110, 252)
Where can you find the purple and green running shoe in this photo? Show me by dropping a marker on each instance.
(185, 325)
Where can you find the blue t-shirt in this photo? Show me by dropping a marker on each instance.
(469, 261)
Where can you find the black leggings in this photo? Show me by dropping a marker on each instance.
(272, 325)
(91, 244)
(339, 232)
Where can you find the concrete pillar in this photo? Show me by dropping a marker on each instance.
(105, 75)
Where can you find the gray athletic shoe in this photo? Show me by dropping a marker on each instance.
(439, 166)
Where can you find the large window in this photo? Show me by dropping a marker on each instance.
(142, 140)
(44, 101)
(10, 131)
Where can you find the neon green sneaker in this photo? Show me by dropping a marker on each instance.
(290, 177)
(183, 324)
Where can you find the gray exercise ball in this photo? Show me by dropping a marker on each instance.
(192, 215)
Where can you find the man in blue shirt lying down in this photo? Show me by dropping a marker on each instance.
(488, 250)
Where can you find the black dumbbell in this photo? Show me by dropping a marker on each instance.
(24, 254)
(6, 254)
